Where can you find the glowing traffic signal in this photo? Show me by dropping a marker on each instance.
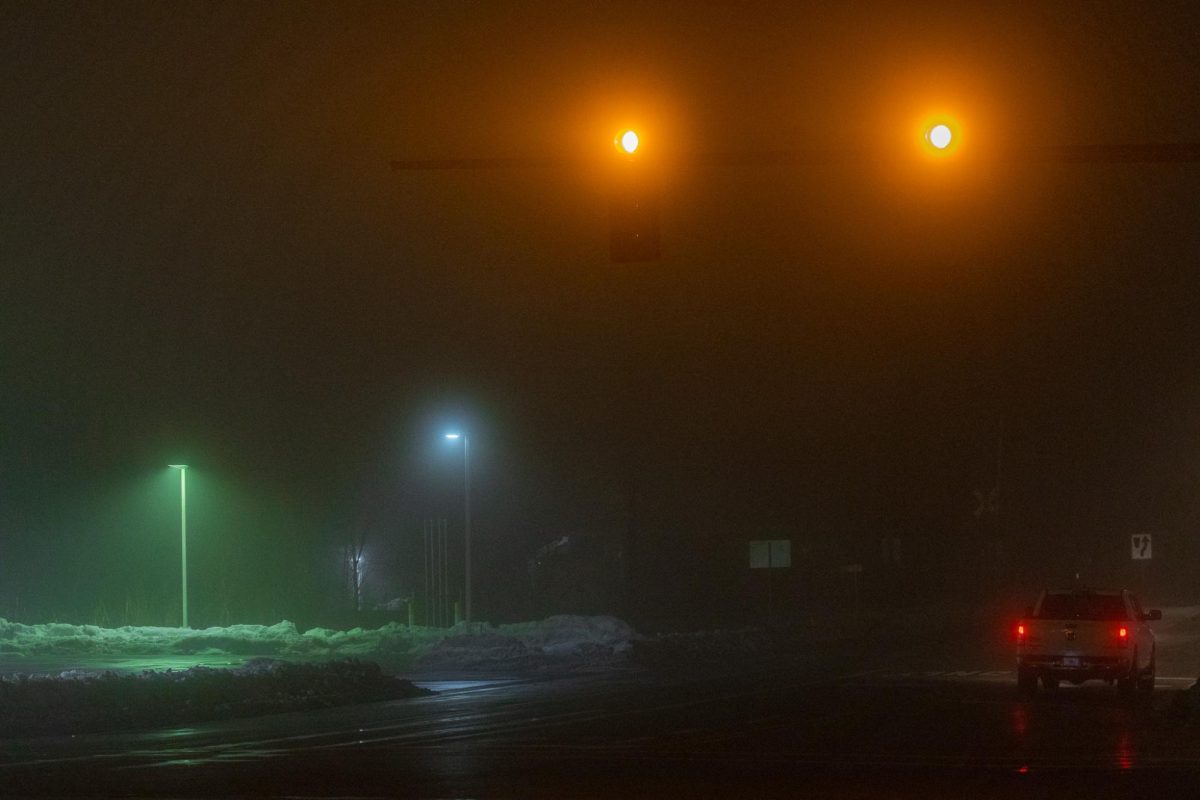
(627, 142)
(939, 136)
(633, 204)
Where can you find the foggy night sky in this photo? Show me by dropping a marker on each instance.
(205, 257)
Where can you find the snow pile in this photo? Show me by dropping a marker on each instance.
(61, 638)
(477, 650)
(106, 702)
(282, 639)
(722, 646)
(573, 638)
(560, 640)
(572, 635)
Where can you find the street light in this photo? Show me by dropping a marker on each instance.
(466, 440)
(183, 530)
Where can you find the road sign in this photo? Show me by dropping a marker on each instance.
(770, 553)
(1140, 546)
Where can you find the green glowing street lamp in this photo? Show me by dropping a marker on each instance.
(466, 519)
(183, 529)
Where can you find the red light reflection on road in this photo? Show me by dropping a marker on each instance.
(1124, 752)
(1020, 720)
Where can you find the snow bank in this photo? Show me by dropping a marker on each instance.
(87, 703)
(560, 640)
(573, 638)
(727, 647)
(280, 639)
(567, 634)
(60, 638)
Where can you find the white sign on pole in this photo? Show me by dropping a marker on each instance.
(781, 553)
(770, 553)
(760, 555)
(1140, 546)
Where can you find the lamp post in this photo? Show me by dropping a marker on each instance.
(466, 440)
(183, 530)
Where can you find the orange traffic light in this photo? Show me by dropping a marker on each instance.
(627, 142)
(940, 136)
(633, 205)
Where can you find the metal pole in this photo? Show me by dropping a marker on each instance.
(437, 573)
(443, 562)
(183, 535)
(770, 588)
(439, 569)
(1129, 153)
(445, 573)
(467, 522)
(436, 555)
(425, 532)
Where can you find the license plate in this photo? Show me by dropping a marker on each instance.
(1070, 661)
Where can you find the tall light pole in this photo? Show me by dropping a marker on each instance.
(466, 440)
(183, 529)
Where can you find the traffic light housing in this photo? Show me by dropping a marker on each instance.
(633, 203)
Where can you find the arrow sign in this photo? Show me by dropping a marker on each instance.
(1140, 547)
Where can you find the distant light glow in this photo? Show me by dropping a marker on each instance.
(177, 466)
(453, 435)
(939, 136)
(627, 142)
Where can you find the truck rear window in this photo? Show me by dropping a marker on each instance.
(1105, 607)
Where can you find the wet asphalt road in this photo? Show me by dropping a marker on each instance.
(834, 722)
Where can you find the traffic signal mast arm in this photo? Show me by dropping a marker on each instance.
(1146, 153)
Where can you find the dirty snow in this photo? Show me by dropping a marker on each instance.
(81, 703)
(559, 640)
(568, 638)
(75, 698)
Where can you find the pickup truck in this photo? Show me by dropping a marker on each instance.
(1086, 634)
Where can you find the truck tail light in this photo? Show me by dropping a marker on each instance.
(1122, 636)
